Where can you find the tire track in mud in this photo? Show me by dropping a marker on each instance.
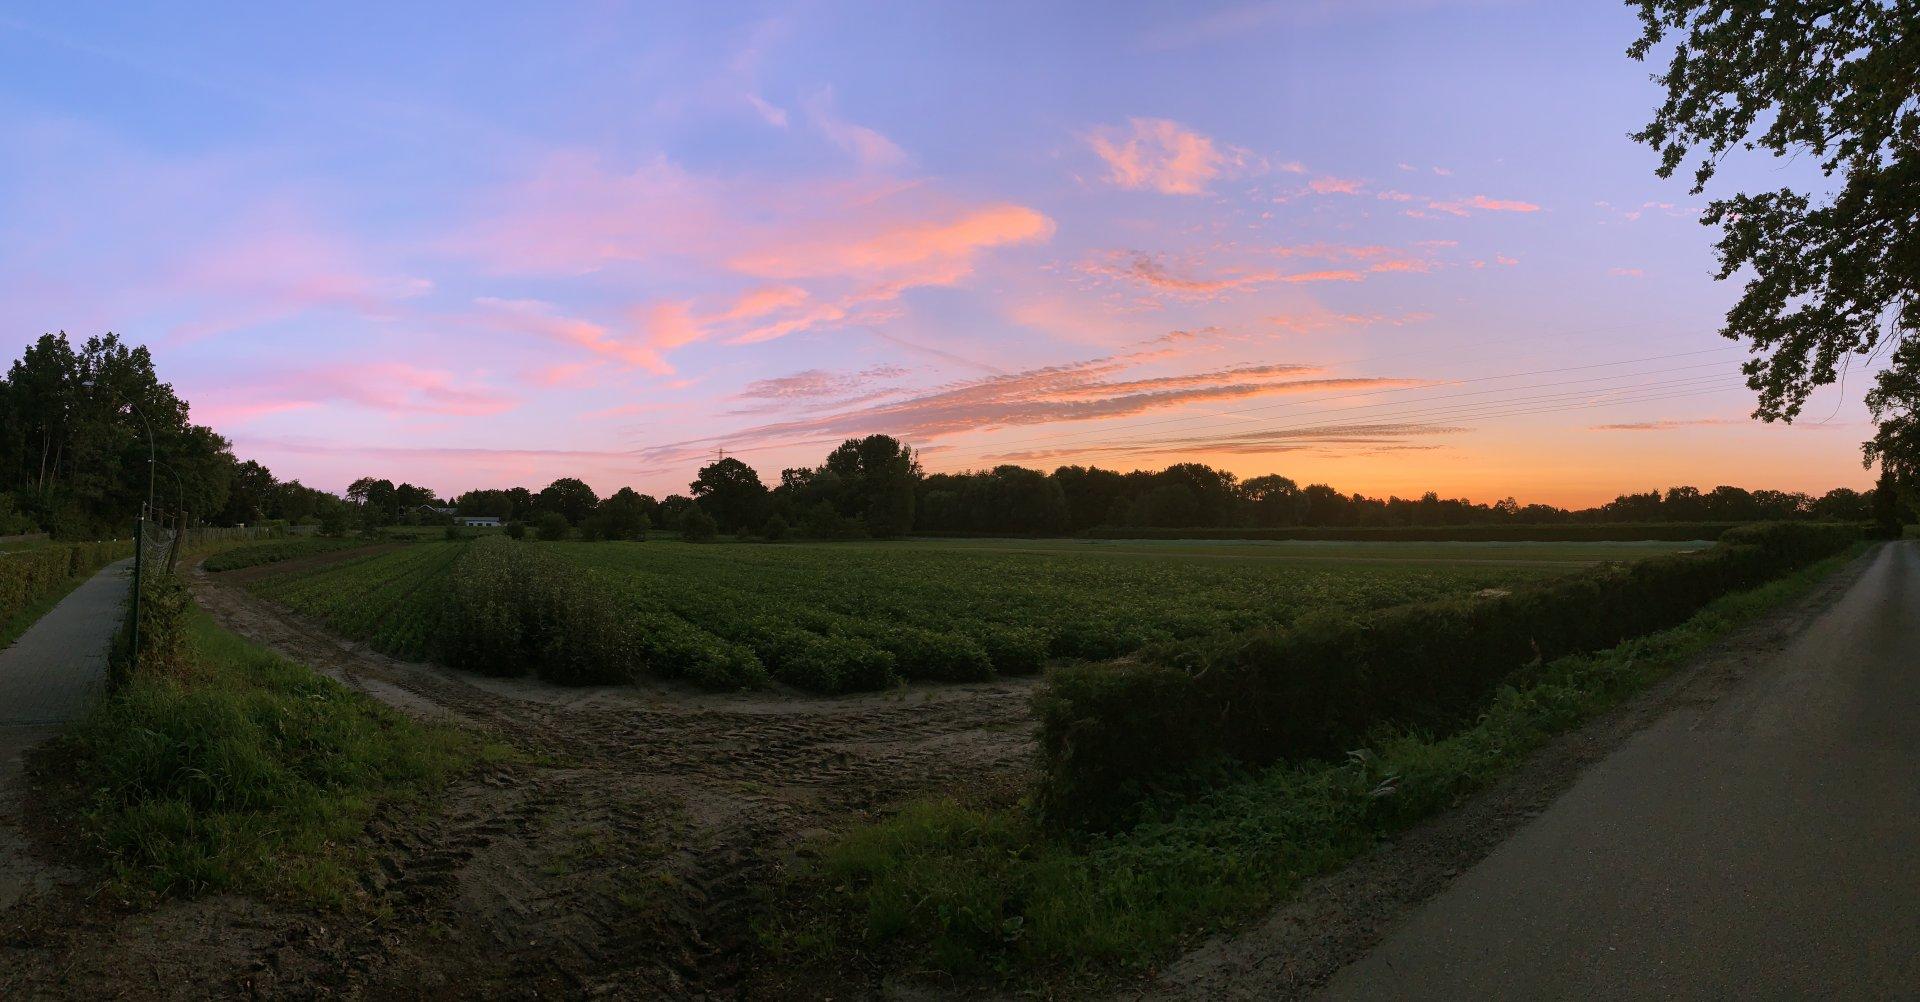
(630, 852)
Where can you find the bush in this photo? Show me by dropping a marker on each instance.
(516, 530)
(775, 529)
(697, 526)
(551, 526)
(456, 533)
(1110, 732)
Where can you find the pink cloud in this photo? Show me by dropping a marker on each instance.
(1078, 391)
(277, 268)
(390, 388)
(925, 251)
(873, 150)
(1329, 185)
(1302, 323)
(1147, 270)
(1332, 275)
(1627, 272)
(535, 318)
(1465, 207)
(1159, 154)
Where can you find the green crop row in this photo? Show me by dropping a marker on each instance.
(393, 599)
(825, 618)
(256, 554)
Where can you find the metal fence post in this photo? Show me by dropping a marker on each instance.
(139, 558)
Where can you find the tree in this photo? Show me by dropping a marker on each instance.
(696, 526)
(1832, 276)
(623, 515)
(878, 475)
(672, 510)
(1274, 500)
(572, 499)
(550, 526)
(731, 492)
(1895, 402)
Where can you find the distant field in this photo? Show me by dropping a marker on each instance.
(945, 608)
(1479, 552)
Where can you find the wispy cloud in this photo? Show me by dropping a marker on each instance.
(1073, 392)
(1671, 424)
(1161, 155)
(1324, 440)
(1481, 203)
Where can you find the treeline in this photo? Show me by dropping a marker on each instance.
(874, 487)
(87, 433)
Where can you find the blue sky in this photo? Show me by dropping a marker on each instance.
(1392, 246)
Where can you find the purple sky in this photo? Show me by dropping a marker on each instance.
(1392, 246)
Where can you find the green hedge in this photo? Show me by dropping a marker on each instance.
(1112, 734)
(27, 576)
(1596, 532)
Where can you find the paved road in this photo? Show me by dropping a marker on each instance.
(1764, 845)
(46, 679)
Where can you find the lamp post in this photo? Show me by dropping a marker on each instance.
(152, 454)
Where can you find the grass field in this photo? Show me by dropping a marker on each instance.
(841, 616)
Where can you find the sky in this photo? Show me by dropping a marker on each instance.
(1390, 245)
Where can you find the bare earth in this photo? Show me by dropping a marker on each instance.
(626, 860)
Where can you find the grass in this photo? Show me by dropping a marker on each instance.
(980, 891)
(245, 771)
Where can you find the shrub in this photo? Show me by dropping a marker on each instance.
(551, 526)
(456, 533)
(516, 529)
(775, 529)
(697, 526)
(1110, 732)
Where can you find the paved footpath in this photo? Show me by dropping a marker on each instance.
(1763, 845)
(47, 678)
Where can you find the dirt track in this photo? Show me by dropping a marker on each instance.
(627, 859)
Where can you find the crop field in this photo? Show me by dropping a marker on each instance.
(390, 598)
(275, 551)
(837, 617)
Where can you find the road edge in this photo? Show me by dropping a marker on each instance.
(1337, 918)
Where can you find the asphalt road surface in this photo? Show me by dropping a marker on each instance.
(47, 678)
(1764, 845)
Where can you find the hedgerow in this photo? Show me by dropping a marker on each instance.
(1110, 733)
(27, 576)
(1568, 533)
